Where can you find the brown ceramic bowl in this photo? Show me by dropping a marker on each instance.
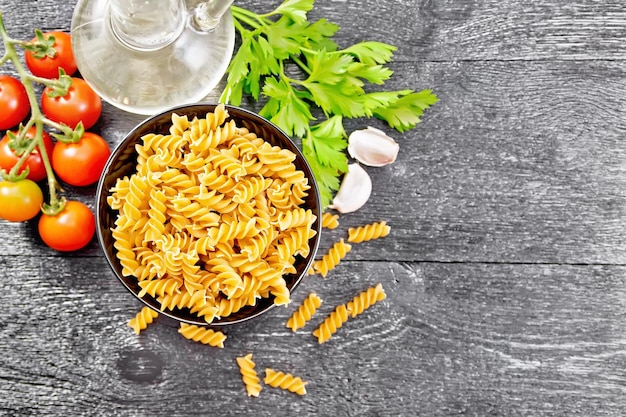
(122, 162)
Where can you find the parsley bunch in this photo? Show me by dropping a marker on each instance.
(329, 79)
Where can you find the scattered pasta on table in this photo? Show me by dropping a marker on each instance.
(331, 323)
(343, 312)
(249, 375)
(142, 319)
(332, 258)
(304, 312)
(330, 221)
(367, 232)
(286, 381)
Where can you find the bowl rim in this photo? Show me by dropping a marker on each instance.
(100, 204)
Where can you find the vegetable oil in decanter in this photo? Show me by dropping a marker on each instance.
(146, 56)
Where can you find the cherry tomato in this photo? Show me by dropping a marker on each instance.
(81, 163)
(37, 170)
(47, 67)
(19, 200)
(14, 104)
(70, 230)
(80, 103)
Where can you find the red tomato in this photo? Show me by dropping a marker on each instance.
(81, 163)
(70, 230)
(14, 104)
(37, 170)
(19, 200)
(80, 103)
(47, 67)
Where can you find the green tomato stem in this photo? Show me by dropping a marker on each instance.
(48, 82)
(13, 173)
(67, 131)
(36, 117)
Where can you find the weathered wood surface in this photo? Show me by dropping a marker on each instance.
(504, 269)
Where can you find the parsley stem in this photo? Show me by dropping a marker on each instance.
(303, 66)
(251, 18)
(242, 31)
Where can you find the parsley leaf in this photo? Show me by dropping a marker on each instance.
(324, 149)
(286, 107)
(295, 9)
(371, 53)
(330, 79)
(404, 113)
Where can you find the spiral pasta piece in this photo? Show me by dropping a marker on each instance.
(331, 323)
(228, 306)
(227, 164)
(332, 258)
(305, 312)
(202, 335)
(156, 287)
(124, 245)
(367, 232)
(156, 215)
(294, 218)
(247, 189)
(206, 311)
(286, 381)
(366, 299)
(142, 319)
(249, 375)
(183, 299)
(330, 221)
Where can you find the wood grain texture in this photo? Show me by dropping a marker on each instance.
(504, 270)
(470, 30)
(469, 339)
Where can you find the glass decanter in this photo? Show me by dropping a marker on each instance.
(144, 56)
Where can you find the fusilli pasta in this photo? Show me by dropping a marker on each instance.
(202, 335)
(249, 375)
(286, 381)
(330, 221)
(202, 195)
(343, 312)
(331, 323)
(332, 258)
(305, 312)
(142, 319)
(367, 232)
(366, 299)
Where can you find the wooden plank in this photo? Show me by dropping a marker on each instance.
(473, 339)
(451, 30)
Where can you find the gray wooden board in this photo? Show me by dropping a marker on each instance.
(504, 270)
(477, 339)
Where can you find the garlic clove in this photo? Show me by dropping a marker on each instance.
(354, 191)
(372, 147)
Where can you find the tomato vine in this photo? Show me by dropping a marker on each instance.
(58, 86)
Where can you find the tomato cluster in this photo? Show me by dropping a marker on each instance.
(75, 163)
